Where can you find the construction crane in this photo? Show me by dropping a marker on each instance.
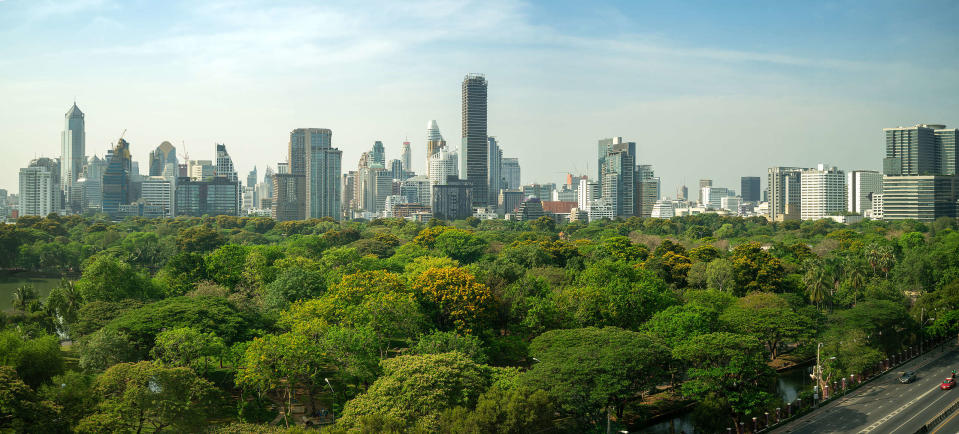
(123, 134)
(186, 154)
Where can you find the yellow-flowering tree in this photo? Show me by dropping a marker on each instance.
(456, 300)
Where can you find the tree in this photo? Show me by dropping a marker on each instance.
(108, 279)
(818, 284)
(727, 372)
(769, 318)
(676, 324)
(35, 360)
(293, 284)
(756, 270)
(23, 296)
(444, 342)
(182, 272)
(720, 274)
(415, 390)
(134, 396)
(590, 371)
(73, 393)
(500, 410)
(105, 348)
(21, 410)
(186, 346)
(460, 245)
(614, 293)
(199, 239)
(284, 363)
(454, 298)
(226, 265)
(64, 303)
(93, 315)
(621, 248)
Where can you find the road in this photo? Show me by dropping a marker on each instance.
(886, 406)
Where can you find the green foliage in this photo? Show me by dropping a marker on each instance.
(444, 342)
(499, 410)
(189, 347)
(612, 293)
(587, 370)
(107, 279)
(415, 390)
(105, 348)
(756, 270)
(226, 265)
(35, 360)
(769, 318)
(137, 396)
(294, 284)
(460, 245)
(21, 410)
(73, 393)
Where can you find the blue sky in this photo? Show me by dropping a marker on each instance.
(707, 89)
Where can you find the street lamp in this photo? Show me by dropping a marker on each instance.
(333, 394)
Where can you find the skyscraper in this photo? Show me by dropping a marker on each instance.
(378, 155)
(116, 178)
(407, 157)
(605, 145)
(72, 152)
(702, 184)
(749, 188)
(160, 157)
(251, 178)
(474, 161)
(323, 168)
(647, 190)
(495, 177)
(618, 178)
(784, 187)
(511, 174)
(861, 185)
(434, 142)
(920, 150)
(682, 193)
(38, 191)
(822, 192)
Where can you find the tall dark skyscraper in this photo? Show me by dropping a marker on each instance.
(474, 155)
(116, 178)
(921, 150)
(72, 151)
(749, 188)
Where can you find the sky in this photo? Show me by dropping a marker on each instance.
(706, 89)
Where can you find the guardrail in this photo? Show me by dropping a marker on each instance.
(939, 418)
(773, 421)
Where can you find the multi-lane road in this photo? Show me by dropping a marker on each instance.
(886, 406)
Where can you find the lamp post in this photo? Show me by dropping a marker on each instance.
(333, 394)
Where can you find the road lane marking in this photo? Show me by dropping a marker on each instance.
(944, 423)
(892, 414)
(920, 411)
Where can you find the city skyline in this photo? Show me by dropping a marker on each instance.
(712, 93)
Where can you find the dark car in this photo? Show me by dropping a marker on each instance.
(907, 377)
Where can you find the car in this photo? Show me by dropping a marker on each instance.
(907, 377)
(948, 383)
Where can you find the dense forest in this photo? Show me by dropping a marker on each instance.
(248, 325)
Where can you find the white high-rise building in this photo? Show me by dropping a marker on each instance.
(587, 192)
(72, 155)
(200, 170)
(407, 157)
(38, 190)
(730, 203)
(663, 209)
(712, 196)
(158, 191)
(443, 164)
(861, 185)
(823, 192)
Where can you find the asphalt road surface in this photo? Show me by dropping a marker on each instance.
(886, 406)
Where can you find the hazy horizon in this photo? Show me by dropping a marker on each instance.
(706, 90)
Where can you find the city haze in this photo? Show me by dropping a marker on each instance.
(705, 90)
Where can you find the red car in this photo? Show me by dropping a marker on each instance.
(948, 383)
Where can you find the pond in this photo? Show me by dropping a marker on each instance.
(9, 284)
(789, 385)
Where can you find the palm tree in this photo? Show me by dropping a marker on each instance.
(818, 284)
(23, 295)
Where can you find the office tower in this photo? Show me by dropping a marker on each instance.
(923, 198)
(407, 157)
(72, 153)
(682, 193)
(823, 192)
(704, 183)
(348, 193)
(378, 155)
(158, 191)
(396, 169)
(286, 197)
(783, 187)
(434, 142)
(712, 196)
(749, 188)
(224, 164)
(663, 209)
(443, 165)
(509, 200)
(948, 156)
(618, 177)
(38, 191)
(251, 178)
(587, 192)
(604, 146)
(730, 203)
(495, 175)
(452, 200)
(474, 162)
(916, 150)
(216, 196)
(647, 190)
(861, 185)
(200, 170)
(322, 173)
(116, 179)
(416, 190)
(164, 154)
(539, 191)
(530, 210)
(511, 174)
